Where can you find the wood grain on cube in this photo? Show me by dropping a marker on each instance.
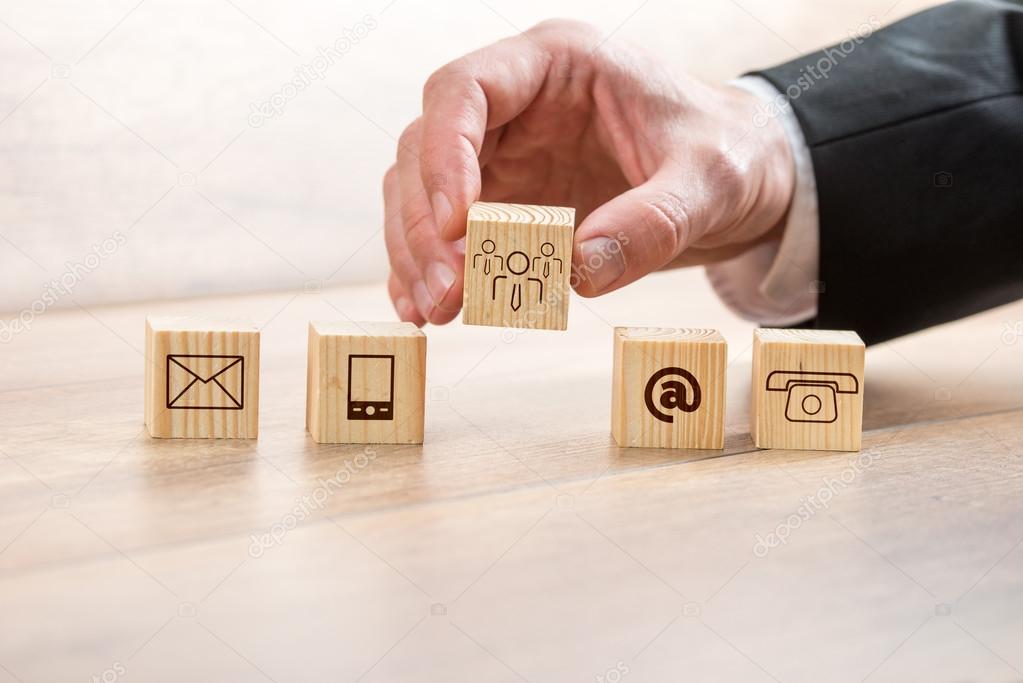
(668, 387)
(518, 261)
(807, 390)
(366, 382)
(202, 378)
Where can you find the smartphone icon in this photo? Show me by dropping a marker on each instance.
(370, 387)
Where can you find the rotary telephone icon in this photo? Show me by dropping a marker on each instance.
(812, 396)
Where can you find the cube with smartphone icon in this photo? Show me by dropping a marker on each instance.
(807, 389)
(366, 382)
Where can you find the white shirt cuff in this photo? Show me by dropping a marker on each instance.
(776, 283)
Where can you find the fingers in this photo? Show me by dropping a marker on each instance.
(403, 301)
(404, 271)
(632, 235)
(431, 273)
(730, 191)
(437, 175)
(461, 102)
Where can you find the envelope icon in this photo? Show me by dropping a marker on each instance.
(197, 382)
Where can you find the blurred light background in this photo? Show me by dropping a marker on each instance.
(133, 122)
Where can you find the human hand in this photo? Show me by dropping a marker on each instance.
(662, 169)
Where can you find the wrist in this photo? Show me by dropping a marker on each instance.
(764, 151)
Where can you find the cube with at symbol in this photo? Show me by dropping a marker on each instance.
(668, 387)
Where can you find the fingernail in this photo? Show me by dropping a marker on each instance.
(422, 298)
(439, 278)
(441, 209)
(406, 311)
(602, 262)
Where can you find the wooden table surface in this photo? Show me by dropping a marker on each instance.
(518, 543)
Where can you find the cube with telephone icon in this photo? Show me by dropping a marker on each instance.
(807, 389)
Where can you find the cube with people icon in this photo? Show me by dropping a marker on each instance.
(202, 378)
(366, 382)
(518, 261)
(807, 389)
(668, 388)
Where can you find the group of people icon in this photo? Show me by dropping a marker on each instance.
(518, 269)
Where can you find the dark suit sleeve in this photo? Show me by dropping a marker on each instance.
(916, 135)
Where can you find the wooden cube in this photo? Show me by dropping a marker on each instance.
(366, 382)
(807, 390)
(668, 388)
(518, 261)
(202, 378)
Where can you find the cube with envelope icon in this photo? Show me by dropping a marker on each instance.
(202, 378)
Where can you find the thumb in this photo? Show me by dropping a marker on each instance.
(630, 236)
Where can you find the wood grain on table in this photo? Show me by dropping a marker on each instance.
(517, 543)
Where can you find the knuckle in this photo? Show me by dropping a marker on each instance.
(409, 138)
(396, 255)
(442, 158)
(667, 223)
(567, 27)
(727, 171)
(419, 231)
(394, 287)
(402, 267)
(570, 46)
(443, 77)
(390, 179)
(434, 81)
(392, 234)
(460, 130)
